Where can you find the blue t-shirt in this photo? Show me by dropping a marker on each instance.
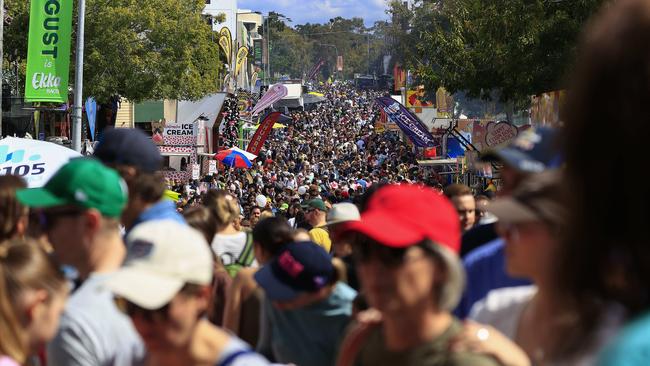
(163, 210)
(631, 347)
(309, 335)
(486, 270)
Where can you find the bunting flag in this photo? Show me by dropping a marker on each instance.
(407, 121)
(262, 133)
(275, 93)
(225, 32)
(91, 113)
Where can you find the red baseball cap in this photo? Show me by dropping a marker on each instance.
(399, 216)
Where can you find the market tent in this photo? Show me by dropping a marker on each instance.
(313, 98)
(207, 108)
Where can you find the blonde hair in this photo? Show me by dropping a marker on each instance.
(23, 266)
(223, 205)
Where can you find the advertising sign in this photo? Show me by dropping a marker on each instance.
(241, 57)
(262, 133)
(48, 51)
(257, 52)
(407, 121)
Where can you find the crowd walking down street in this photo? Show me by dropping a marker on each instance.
(335, 246)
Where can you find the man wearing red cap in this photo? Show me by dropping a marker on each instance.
(406, 247)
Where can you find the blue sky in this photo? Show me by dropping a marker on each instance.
(320, 11)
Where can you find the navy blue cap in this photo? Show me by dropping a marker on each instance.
(300, 267)
(532, 151)
(129, 146)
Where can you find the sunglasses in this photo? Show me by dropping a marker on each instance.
(133, 310)
(366, 251)
(48, 218)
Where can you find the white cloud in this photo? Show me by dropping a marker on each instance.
(320, 11)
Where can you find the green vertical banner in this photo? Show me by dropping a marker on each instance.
(48, 53)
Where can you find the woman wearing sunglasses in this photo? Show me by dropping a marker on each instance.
(405, 249)
(164, 287)
(532, 222)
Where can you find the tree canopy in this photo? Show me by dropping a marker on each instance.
(515, 48)
(137, 49)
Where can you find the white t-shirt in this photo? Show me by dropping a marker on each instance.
(502, 309)
(229, 247)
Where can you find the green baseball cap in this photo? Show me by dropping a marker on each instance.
(316, 203)
(82, 182)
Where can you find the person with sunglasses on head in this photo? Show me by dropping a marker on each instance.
(164, 286)
(405, 247)
(533, 151)
(81, 207)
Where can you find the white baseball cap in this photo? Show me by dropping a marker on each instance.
(162, 256)
(343, 212)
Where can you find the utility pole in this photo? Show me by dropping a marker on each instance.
(2, 31)
(79, 78)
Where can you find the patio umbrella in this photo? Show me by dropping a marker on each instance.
(235, 158)
(34, 160)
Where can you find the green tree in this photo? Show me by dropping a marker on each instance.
(138, 49)
(508, 48)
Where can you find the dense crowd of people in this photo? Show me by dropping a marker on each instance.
(336, 249)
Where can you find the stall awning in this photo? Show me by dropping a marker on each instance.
(437, 162)
(175, 154)
(208, 108)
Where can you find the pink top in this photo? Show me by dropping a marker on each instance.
(8, 361)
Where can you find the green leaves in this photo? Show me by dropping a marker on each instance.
(138, 49)
(514, 47)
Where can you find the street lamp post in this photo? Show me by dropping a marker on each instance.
(79, 77)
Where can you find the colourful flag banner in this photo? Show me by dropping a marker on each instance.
(225, 32)
(241, 57)
(339, 63)
(275, 93)
(254, 79)
(48, 51)
(407, 121)
(262, 133)
(226, 47)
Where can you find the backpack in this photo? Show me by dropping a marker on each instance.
(245, 259)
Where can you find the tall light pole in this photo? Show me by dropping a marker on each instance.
(2, 30)
(79, 78)
(268, 44)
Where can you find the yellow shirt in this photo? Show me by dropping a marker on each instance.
(321, 237)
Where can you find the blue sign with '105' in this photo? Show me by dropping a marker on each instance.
(29, 164)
